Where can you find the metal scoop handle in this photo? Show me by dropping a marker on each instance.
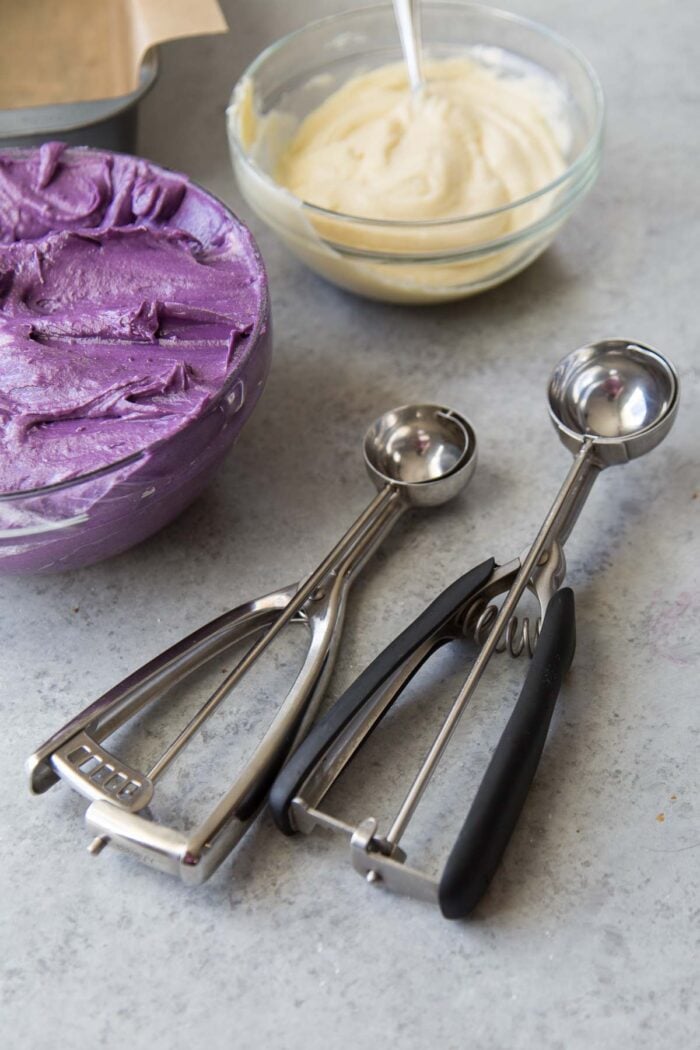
(360, 702)
(154, 679)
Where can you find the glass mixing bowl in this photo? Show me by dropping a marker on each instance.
(403, 261)
(97, 514)
(93, 516)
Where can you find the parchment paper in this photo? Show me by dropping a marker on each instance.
(55, 51)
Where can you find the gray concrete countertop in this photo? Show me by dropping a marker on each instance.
(590, 933)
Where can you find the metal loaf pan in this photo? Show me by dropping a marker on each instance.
(108, 123)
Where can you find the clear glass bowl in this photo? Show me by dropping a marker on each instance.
(98, 514)
(430, 260)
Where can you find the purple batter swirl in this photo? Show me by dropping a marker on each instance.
(129, 300)
(124, 296)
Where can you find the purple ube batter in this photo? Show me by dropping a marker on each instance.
(128, 299)
(116, 325)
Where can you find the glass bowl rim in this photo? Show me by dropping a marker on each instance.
(576, 168)
(259, 328)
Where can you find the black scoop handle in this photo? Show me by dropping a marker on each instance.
(503, 790)
(311, 751)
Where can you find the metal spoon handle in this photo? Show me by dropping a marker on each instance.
(408, 20)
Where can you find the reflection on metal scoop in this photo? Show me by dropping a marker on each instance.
(620, 397)
(611, 402)
(417, 455)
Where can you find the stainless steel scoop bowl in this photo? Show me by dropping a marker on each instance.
(426, 452)
(621, 396)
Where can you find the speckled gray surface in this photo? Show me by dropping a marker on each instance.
(590, 934)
